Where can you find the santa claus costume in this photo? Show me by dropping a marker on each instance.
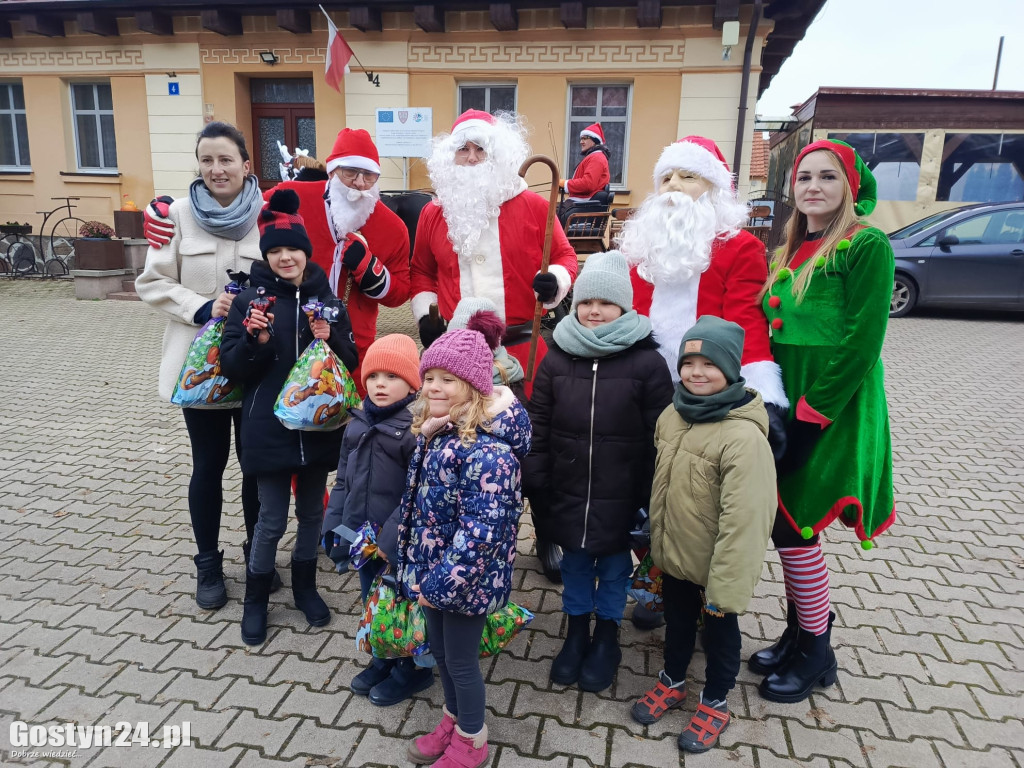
(484, 235)
(828, 302)
(339, 218)
(592, 174)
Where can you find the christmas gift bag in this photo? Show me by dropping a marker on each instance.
(646, 586)
(501, 626)
(200, 383)
(319, 389)
(391, 626)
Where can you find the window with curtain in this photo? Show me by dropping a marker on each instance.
(13, 128)
(605, 104)
(92, 109)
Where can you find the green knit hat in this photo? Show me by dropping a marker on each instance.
(719, 341)
(604, 276)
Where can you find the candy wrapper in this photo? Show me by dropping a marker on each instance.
(501, 626)
(391, 626)
(200, 384)
(319, 390)
(364, 545)
(646, 586)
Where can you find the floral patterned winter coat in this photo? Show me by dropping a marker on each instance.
(460, 513)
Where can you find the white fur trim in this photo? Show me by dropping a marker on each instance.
(691, 157)
(503, 397)
(353, 161)
(564, 284)
(421, 304)
(766, 377)
(590, 135)
(480, 273)
(673, 313)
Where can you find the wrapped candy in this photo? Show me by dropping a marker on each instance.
(319, 389)
(364, 545)
(200, 383)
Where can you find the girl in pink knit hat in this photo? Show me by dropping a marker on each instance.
(457, 538)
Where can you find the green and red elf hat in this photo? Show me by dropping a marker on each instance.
(861, 180)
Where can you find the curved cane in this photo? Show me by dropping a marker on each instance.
(549, 232)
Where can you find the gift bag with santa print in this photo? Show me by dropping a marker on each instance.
(319, 389)
(200, 383)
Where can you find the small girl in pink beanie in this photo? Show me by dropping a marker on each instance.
(457, 539)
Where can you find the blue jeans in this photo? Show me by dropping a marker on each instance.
(596, 584)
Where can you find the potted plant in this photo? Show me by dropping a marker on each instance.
(14, 228)
(128, 221)
(94, 249)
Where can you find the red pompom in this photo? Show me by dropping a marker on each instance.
(774, 302)
(489, 324)
(777, 323)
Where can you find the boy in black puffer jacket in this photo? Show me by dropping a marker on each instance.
(259, 353)
(597, 396)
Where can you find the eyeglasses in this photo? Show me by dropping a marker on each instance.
(350, 174)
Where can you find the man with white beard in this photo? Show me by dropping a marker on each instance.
(357, 240)
(484, 235)
(690, 258)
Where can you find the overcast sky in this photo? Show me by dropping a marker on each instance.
(902, 44)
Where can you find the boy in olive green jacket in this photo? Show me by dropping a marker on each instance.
(712, 508)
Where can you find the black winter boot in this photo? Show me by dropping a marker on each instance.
(254, 607)
(770, 659)
(644, 618)
(246, 549)
(405, 680)
(812, 663)
(377, 671)
(210, 591)
(602, 661)
(565, 669)
(307, 599)
(550, 556)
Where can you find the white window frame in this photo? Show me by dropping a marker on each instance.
(96, 112)
(487, 96)
(20, 164)
(571, 140)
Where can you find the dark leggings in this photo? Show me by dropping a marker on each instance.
(784, 536)
(209, 432)
(455, 644)
(683, 606)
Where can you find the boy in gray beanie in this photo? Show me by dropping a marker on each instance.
(712, 511)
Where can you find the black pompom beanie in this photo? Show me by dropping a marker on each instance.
(281, 225)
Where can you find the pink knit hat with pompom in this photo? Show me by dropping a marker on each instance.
(465, 354)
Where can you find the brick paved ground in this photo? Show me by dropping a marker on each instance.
(98, 624)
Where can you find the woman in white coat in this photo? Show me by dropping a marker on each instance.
(215, 231)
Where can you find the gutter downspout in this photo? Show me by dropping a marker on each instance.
(741, 120)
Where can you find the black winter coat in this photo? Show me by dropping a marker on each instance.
(267, 445)
(371, 476)
(592, 462)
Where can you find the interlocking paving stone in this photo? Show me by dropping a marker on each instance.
(98, 621)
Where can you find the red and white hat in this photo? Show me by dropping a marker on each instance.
(473, 121)
(697, 155)
(593, 131)
(354, 149)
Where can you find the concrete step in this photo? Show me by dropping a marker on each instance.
(128, 284)
(124, 296)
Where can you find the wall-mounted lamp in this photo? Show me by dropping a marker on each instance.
(730, 37)
(269, 57)
(172, 74)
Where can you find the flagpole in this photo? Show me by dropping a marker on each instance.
(350, 47)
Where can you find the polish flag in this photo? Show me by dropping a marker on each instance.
(338, 56)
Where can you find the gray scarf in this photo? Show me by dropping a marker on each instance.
(512, 367)
(232, 222)
(620, 334)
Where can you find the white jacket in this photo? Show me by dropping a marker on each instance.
(185, 274)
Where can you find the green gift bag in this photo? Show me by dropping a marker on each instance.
(391, 626)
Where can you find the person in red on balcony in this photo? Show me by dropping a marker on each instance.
(592, 174)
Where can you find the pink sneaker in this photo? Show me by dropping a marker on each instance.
(465, 751)
(428, 748)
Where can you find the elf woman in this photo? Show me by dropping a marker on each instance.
(827, 300)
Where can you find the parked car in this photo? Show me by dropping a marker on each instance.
(966, 257)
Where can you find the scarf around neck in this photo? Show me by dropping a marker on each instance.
(232, 222)
(375, 414)
(513, 368)
(700, 409)
(579, 341)
(433, 425)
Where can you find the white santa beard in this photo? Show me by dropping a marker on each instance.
(669, 239)
(673, 313)
(347, 215)
(470, 198)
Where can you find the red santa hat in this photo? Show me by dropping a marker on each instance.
(697, 155)
(473, 122)
(593, 131)
(354, 149)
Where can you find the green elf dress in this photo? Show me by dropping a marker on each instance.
(829, 349)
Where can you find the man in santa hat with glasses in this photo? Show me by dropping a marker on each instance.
(484, 235)
(361, 244)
